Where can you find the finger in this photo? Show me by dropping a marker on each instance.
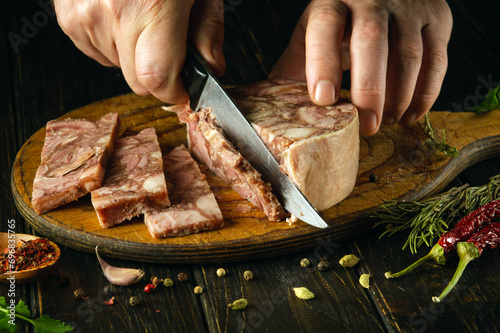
(94, 53)
(369, 53)
(206, 30)
(324, 35)
(405, 58)
(160, 52)
(434, 63)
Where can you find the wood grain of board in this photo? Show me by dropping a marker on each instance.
(405, 169)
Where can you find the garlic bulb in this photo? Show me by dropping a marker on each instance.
(118, 275)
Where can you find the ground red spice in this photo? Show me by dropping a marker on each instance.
(28, 255)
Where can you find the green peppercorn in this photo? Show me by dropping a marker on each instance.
(372, 177)
(134, 300)
(109, 290)
(322, 265)
(305, 262)
(248, 275)
(168, 282)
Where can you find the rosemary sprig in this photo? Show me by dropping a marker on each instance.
(434, 144)
(429, 218)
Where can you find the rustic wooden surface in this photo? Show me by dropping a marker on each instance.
(405, 169)
(47, 77)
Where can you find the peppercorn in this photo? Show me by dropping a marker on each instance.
(198, 290)
(149, 288)
(322, 265)
(134, 300)
(168, 282)
(156, 281)
(221, 272)
(79, 293)
(372, 177)
(109, 290)
(182, 277)
(248, 275)
(305, 262)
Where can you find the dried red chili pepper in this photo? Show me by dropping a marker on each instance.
(465, 228)
(28, 255)
(486, 238)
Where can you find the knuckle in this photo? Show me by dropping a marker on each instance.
(411, 52)
(325, 15)
(372, 29)
(151, 79)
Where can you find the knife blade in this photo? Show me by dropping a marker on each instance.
(205, 91)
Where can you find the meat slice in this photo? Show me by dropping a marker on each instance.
(317, 146)
(209, 145)
(193, 208)
(73, 160)
(134, 182)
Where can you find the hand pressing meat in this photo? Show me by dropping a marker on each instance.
(396, 51)
(146, 38)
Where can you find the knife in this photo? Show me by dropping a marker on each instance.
(205, 91)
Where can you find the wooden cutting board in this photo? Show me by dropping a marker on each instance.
(405, 170)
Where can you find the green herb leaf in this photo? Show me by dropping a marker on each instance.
(492, 102)
(434, 144)
(45, 324)
(22, 309)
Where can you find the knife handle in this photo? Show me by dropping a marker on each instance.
(195, 74)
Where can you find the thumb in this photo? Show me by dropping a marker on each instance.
(206, 31)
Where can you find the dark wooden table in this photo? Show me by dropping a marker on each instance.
(44, 76)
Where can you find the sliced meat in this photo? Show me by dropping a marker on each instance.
(134, 182)
(193, 208)
(317, 146)
(209, 145)
(73, 160)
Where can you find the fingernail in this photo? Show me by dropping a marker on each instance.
(409, 118)
(324, 93)
(368, 122)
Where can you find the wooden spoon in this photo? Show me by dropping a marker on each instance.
(27, 275)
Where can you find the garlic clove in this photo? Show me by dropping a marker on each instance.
(118, 275)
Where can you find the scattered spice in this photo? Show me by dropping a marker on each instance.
(198, 290)
(182, 277)
(149, 288)
(134, 300)
(364, 280)
(79, 293)
(372, 177)
(156, 281)
(111, 301)
(109, 290)
(303, 293)
(434, 144)
(305, 262)
(239, 304)
(349, 260)
(168, 282)
(322, 265)
(28, 255)
(248, 275)
(221, 272)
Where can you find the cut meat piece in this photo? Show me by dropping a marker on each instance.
(73, 160)
(193, 208)
(209, 145)
(134, 182)
(317, 146)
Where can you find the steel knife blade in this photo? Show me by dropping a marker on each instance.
(205, 91)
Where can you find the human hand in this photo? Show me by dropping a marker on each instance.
(396, 51)
(146, 38)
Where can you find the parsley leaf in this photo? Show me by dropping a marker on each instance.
(492, 102)
(44, 324)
